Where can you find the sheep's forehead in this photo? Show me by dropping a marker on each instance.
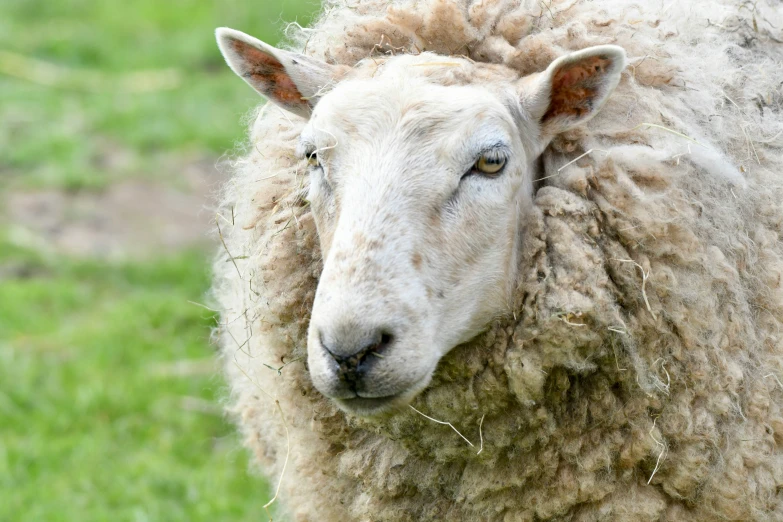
(442, 70)
(411, 103)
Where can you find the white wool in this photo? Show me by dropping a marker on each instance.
(640, 374)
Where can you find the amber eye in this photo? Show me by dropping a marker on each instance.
(312, 160)
(490, 164)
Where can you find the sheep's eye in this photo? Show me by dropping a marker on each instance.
(312, 160)
(490, 163)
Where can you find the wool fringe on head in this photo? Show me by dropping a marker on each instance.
(640, 375)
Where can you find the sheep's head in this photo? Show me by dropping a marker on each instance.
(421, 172)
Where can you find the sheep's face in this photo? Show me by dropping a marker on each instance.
(417, 190)
(421, 173)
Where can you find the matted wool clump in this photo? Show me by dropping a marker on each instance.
(640, 375)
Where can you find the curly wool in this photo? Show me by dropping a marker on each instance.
(640, 375)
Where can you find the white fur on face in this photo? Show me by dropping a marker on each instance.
(416, 247)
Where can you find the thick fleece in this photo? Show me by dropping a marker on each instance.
(641, 375)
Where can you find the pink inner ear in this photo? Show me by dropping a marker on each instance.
(575, 87)
(268, 75)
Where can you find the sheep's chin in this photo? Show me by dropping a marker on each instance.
(379, 406)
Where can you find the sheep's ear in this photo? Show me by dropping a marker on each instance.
(573, 88)
(293, 81)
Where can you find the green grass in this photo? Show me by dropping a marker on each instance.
(94, 424)
(62, 135)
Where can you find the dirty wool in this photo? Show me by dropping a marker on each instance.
(639, 375)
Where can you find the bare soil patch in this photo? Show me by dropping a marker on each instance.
(130, 219)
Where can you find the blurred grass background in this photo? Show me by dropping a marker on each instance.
(109, 395)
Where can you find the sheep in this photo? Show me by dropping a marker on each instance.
(477, 264)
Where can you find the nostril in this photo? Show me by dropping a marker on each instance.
(386, 340)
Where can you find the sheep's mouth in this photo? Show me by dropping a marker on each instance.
(362, 403)
(374, 406)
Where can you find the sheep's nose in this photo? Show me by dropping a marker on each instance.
(353, 349)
